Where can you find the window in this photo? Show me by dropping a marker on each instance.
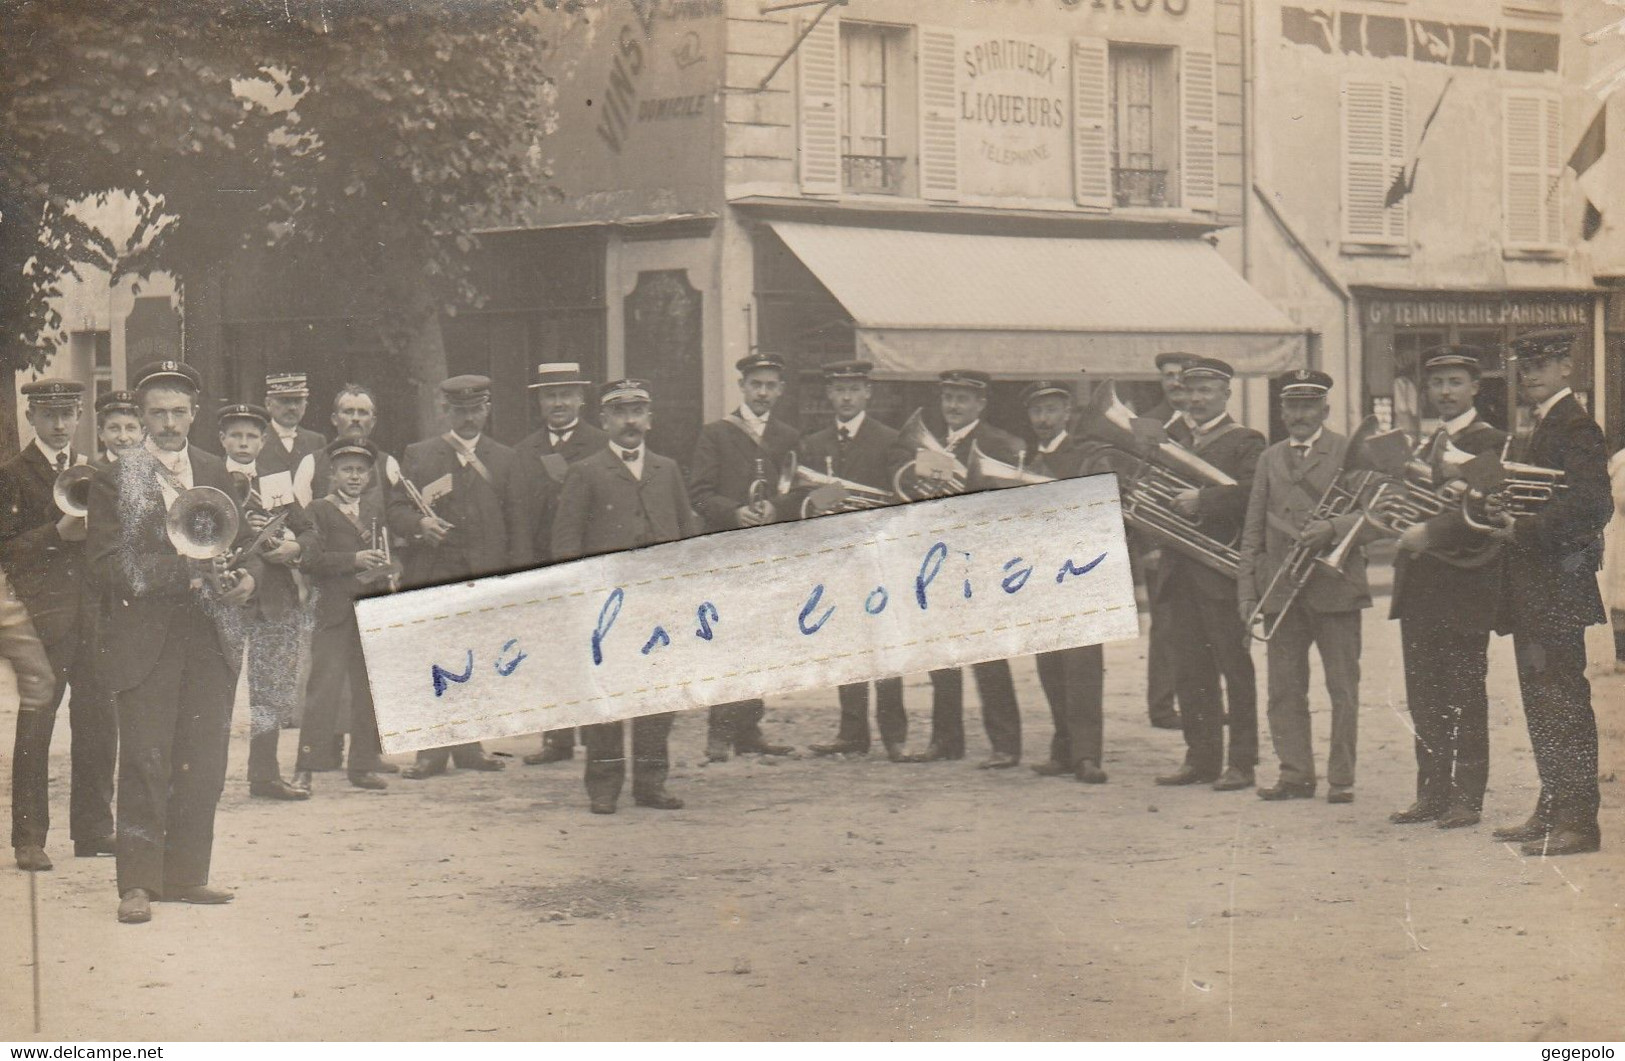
(1145, 126)
(1374, 147)
(875, 141)
(1532, 146)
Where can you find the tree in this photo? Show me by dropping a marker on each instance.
(372, 133)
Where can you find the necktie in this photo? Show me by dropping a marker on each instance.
(62, 461)
(1300, 450)
(843, 435)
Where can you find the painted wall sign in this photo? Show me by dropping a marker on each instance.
(1420, 40)
(1406, 313)
(1014, 116)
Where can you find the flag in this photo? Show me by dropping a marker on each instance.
(1592, 144)
(1592, 224)
(1405, 178)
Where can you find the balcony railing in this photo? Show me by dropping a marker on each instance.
(873, 174)
(1140, 187)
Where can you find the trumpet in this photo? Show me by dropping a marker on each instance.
(1150, 479)
(856, 496)
(989, 473)
(71, 491)
(421, 503)
(390, 572)
(916, 436)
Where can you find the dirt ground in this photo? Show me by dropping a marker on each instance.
(817, 899)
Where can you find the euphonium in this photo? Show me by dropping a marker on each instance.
(71, 491)
(917, 437)
(989, 473)
(1501, 491)
(858, 496)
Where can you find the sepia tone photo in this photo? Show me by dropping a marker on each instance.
(314, 309)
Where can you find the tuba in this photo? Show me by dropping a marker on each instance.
(856, 497)
(989, 473)
(1151, 477)
(71, 491)
(917, 437)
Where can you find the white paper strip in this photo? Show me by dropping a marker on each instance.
(750, 613)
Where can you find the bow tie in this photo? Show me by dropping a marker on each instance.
(629, 455)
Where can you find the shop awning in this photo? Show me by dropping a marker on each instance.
(926, 301)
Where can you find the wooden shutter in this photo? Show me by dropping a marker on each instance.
(1374, 153)
(1199, 132)
(818, 83)
(1531, 136)
(1091, 124)
(939, 119)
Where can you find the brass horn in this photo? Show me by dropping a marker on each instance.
(202, 523)
(858, 496)
(71, 491)
(990, 473)
(917, 437)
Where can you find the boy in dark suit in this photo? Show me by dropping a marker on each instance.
(857, 448)
(624, 497)
(733, 480)
(346, 559)
(1550, 596)
(539, 464)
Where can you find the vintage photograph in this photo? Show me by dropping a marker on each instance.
(315, 308)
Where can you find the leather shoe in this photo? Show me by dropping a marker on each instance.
(1166, 722)
(1288, 790)
(1459, 816)
(603, 806)
(661, 800)
(1340, 795)
(198, 895)
(1188, 775)
(1564, 840)
(999, 761)
(761, 747)
(277, 789)
(1050, 769)
(1090, 773)
(105, 845)
(421, 771)
(32, 858)
(368, 780)
(716, 752)
(896, 754)
(484, 763)
(384, 766)
(839, 747)
(1530, 831)
(134, 908)
(933, 753)
(1233, 780)
(549, 755)
(301, 779)
(1417, 812)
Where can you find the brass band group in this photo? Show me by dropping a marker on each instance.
(149, 577)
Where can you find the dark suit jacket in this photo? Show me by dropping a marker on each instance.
(995, 442)
(604, 508)
(533, 489)
(1222, 509)
(330, 562)
(273, 458)
(1551, 565)
(1073, 457)
(1285, 492)
(146, 582)
(724, 466)
(46, 572)
(478, 544)
(866, 458)
(1427, 587)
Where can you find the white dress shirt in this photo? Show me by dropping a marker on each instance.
(1053, 444)
(635, 465)
(852, 426)
(756, 424)
(1546, 406)
(179, 465)
(958, 434)
(562, 435)
(52, 454)
(1457, 425)
(287, 436)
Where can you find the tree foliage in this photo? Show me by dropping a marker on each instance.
(369, 134)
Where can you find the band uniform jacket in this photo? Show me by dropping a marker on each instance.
(330, 561)
(1072, 458)
(478, 542)
(533, 488)
(1222, 510)
(145, 580)
(46, 572)
(604, 508)
(1551, 564)
(994, 442)
(1427, 587)
(724, 467)
(273, 458)
(1286, 490)
(865, 459)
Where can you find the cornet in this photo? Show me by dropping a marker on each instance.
(390, 572)
(71, 491)
(917, 437)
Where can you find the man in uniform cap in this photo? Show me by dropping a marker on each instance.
(856, 448)
(1447, 583)
(1073, 679)
(462, 477)
(287, 397)
(958, 423)
(1211, 639)
(1161, 687)
(1291, 477)
(42, 552)
(624, 497)
(733, 479)
(274, 624)
(1550, 596)
(539, 464)
(165, 651)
